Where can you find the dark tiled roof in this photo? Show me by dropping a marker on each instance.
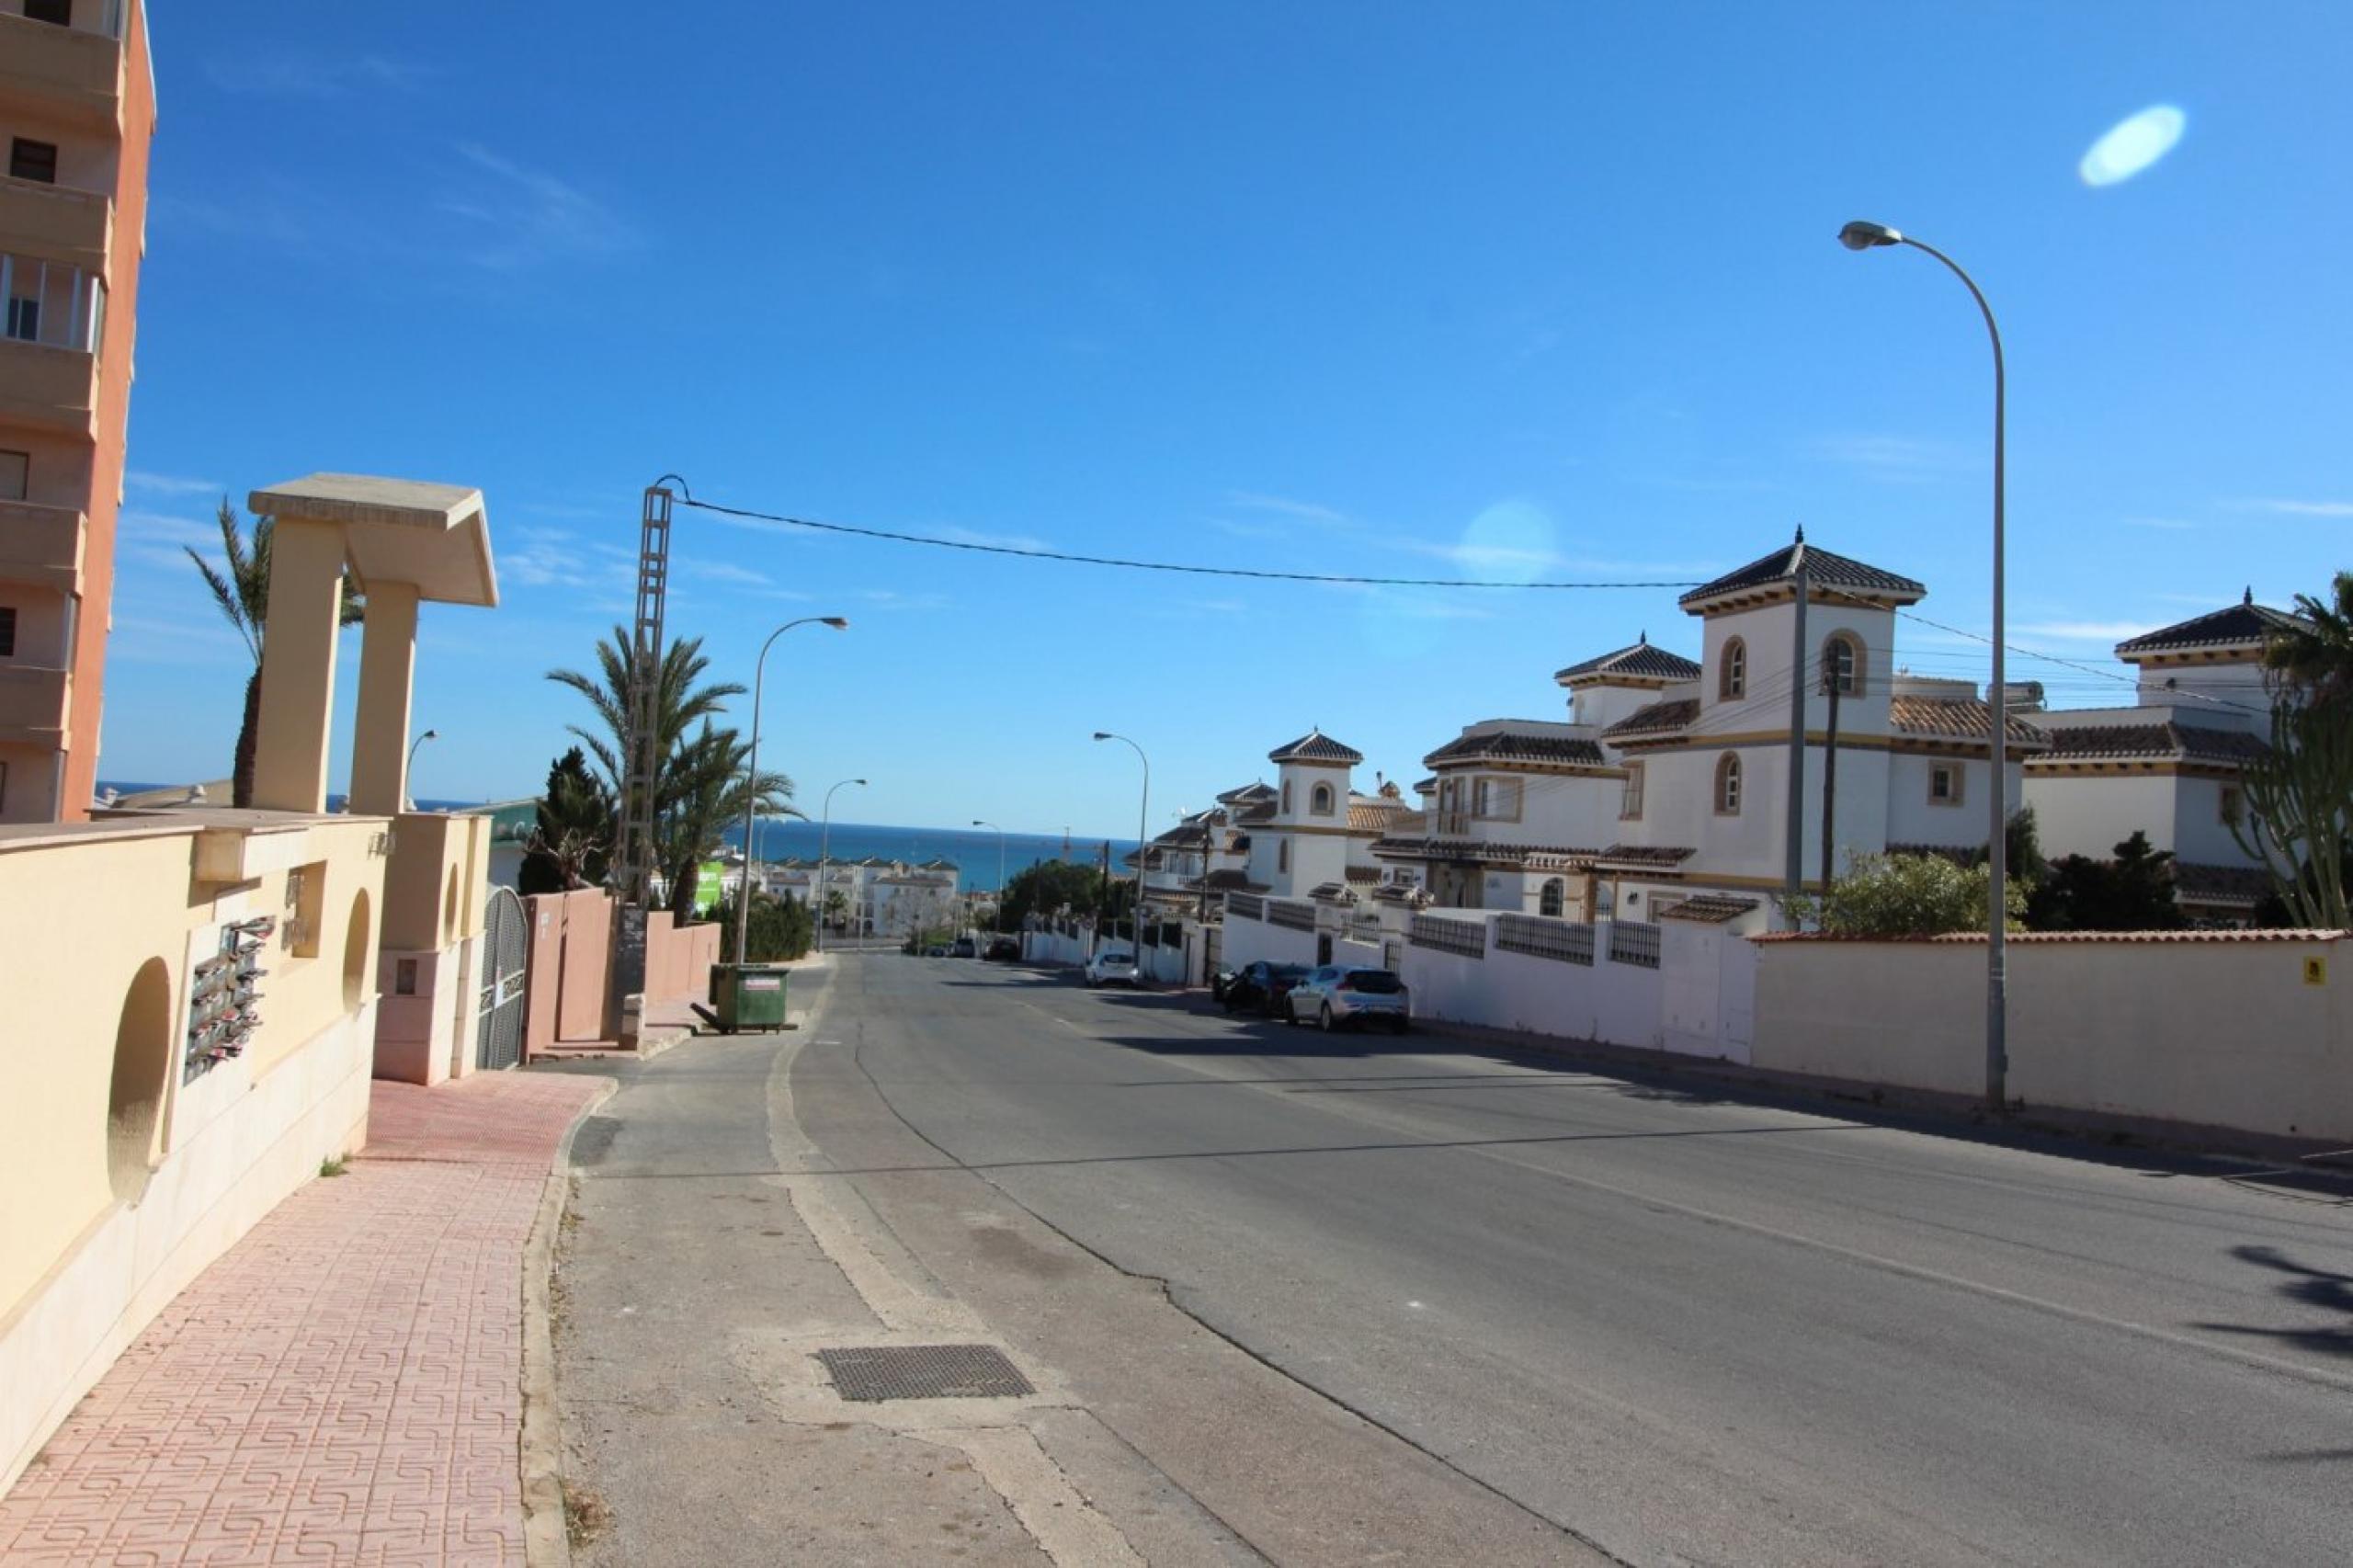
(1713, 909)
(1228, 880)
(1822, 566)
(1316, 746)
(1257, 811)
(1246, 794)
(2243, 625)
(1478, 850)
(1426, 787)
(1331, 893)
(2168, 741)
(1660, 855)
(1397, 893)
(1961, 717)
(1376, 815)
(1363, 874)
(1513, 746)
(1637, 661)
(1658, 719)
(2219, 884)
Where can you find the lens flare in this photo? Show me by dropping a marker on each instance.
(2133, 145)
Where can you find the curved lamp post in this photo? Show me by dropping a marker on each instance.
(825, 844)
(1000, 869)
(1144, 815)
(752, 771)
(1859, 235)
(409, 768)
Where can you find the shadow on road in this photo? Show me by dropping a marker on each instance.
(2316, 1288)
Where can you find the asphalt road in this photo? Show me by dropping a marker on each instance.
(1677, 1326)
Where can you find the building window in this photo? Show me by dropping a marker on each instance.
(2229, 804)
(32, 160)
(57, 12)
(1944, 784)
(24, 319)
(1282, 856)
(1553, 896)
(1728, 785)
(1629, 804)
(7, 631)
(1479, 803)
(1319, 800)
(1842, 665)
(16, 475)
(1732, 672)
(1286, 797)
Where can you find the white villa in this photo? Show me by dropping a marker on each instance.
(1665, 795)
(2168, 764)
(879, 897)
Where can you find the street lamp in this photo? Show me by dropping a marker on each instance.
(1000, 869)
(1859, 235)
(824, 845)
(1143, 815)
(752, 771)
(409, 768)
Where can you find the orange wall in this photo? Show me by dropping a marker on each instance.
(565, 970)
(89, 654)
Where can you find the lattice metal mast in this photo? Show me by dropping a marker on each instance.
(632, 861)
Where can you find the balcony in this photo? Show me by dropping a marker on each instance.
(56, 221)
(71, 75)
(48, 389)
(41, 544)
(32, 705)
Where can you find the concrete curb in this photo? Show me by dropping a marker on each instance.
(547, 1543)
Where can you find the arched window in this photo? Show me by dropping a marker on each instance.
(142, 1057)
(1286, 797)
(1842, 664)
(1731, 671)
(1282, 856)
(1728, 785)
(1554, 895)
(1320, 800)
(358, 947)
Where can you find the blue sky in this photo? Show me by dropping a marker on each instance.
(1500, 290)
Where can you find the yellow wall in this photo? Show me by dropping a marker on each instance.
(82, 910)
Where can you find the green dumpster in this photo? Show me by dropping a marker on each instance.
(749, 996)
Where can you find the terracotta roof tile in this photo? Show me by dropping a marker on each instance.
(1955, 718)
(1363, 875)
(1316, 746)
(1518, 746)
(1822, 566)
(1331, 893)
(1658, 719)
(2196, 883)
(2243, 625)
(2170, 741)
(1707, 908)
(1376, 815)
(1636, 661)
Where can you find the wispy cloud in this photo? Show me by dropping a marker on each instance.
(159, 639)
(1282, 507)
(547, 557)
(288, 71)
(2168, 524)
(892, 599)
(2299, 509)
(998, 542)
(725, 572)
(526, 216)
(171, 484)
(1903, 458)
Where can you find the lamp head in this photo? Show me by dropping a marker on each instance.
(430, 736)
(859, 781)
(839, 622)
(1860, 235)
(1102, 734)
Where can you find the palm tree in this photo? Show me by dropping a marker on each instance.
(699, 785)
(243, 595)
(2317, 657)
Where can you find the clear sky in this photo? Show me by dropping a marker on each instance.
(1485, 290)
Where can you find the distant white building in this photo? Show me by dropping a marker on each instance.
(873, 896)
(2168, 764)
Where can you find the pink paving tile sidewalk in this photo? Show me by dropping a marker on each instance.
(344, 1385)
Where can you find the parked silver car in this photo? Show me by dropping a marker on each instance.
(1335, 996)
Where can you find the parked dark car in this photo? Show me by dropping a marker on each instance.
(1003, 949)
(1263, 985)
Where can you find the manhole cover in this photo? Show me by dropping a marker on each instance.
(923, 1371)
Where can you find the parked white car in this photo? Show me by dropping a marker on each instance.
(1334, 997)
(1111, 966)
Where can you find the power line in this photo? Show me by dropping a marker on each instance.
(1029, 554)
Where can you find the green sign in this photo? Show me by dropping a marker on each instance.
(710, 890)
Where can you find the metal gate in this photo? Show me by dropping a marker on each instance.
(498, 1028)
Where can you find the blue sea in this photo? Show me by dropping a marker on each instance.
(973, 850)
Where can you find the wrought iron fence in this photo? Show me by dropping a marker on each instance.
(1567, 941)
(1297, 916)
(1633, 942)
(1249, 905)
(1465, 938)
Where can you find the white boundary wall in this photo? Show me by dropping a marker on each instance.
(2211, 1029)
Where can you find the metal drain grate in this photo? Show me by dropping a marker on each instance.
(923, 1371)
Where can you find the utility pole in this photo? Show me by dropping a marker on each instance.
(1796, 828)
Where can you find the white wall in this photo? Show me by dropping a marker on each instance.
(1248, 941)
(2091, 813)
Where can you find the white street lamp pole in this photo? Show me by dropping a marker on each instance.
(752, 771)
(1867, 236)
(999, 922)
(825, 846)
(1144, 816)
(408, 771)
